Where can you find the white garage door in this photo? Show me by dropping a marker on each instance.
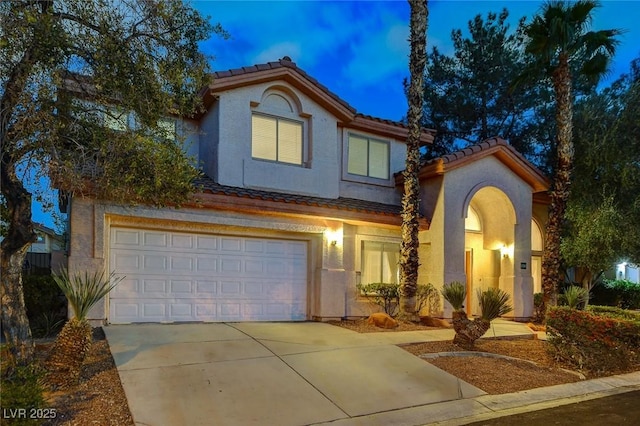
(172, 276)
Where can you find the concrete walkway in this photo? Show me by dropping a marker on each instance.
(301, 374)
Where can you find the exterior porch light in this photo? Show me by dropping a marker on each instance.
(506, 251)
(333, 236)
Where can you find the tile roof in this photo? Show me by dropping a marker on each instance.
(285, 62)
(208, 185)
(492, 146)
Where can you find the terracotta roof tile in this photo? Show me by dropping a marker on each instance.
(208, 185)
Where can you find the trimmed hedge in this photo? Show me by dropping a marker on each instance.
(595, 342)
(622, 293)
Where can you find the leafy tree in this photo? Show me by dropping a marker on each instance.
(61, 62)
(603, 214)
(468, 97)
(556, 37)
(409, 261)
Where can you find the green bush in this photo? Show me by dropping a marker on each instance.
(387, 296)
(621, 293)
(595, 342)
(427, 297)
(22, 389)
(614, 312)
(45, 303)
(538, 313)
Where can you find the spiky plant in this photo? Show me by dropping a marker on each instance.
(455, 293)
(493, 303)
(83, 291)
(576, 296)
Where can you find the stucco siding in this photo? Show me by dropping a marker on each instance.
(236, 167)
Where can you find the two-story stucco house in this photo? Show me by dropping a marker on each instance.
(301, 202)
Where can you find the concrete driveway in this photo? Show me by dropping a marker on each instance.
(272, 373)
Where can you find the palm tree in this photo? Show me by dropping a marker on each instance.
(410, 199)
(561, 47)
(72, 345)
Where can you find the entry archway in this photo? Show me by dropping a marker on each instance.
(489, 244)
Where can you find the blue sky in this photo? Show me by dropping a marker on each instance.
(359, 49)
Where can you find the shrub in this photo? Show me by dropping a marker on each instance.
(614, 312)
(622, 293)
(427, 297)
(22, 389)
(387, 296)
(45, 303)
(538, 312)
(599, 343)
(575, 297)
(455, 293)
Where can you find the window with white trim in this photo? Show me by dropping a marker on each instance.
(276, 139)
(368, 157)
(379, 262)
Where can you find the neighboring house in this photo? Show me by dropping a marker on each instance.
(47, 253)
(300, 202)
(628, 271)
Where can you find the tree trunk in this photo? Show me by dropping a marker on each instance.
(409, 260)
(468, 331)
(551, 260)
(20, 235)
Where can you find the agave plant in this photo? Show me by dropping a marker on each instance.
(576, 296)
(83, 291)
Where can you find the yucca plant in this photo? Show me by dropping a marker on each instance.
(493, 303)
(455, 293)
(83, 291)
(576, 296)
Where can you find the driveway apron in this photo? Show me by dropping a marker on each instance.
(270, 374)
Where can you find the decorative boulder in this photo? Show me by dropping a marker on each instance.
(434, 322)
(382, 320)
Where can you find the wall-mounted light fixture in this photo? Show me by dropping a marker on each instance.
(333, 236)
(506, 251)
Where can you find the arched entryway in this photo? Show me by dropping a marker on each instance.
(489, 244)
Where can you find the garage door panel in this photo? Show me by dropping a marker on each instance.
(190, 277)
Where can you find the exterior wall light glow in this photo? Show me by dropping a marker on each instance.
(334, 236)
(506, 251)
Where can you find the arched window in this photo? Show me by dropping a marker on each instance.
(278, 129)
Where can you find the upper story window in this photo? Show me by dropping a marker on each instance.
(278, 130)
(276, 139)
(368, 157)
